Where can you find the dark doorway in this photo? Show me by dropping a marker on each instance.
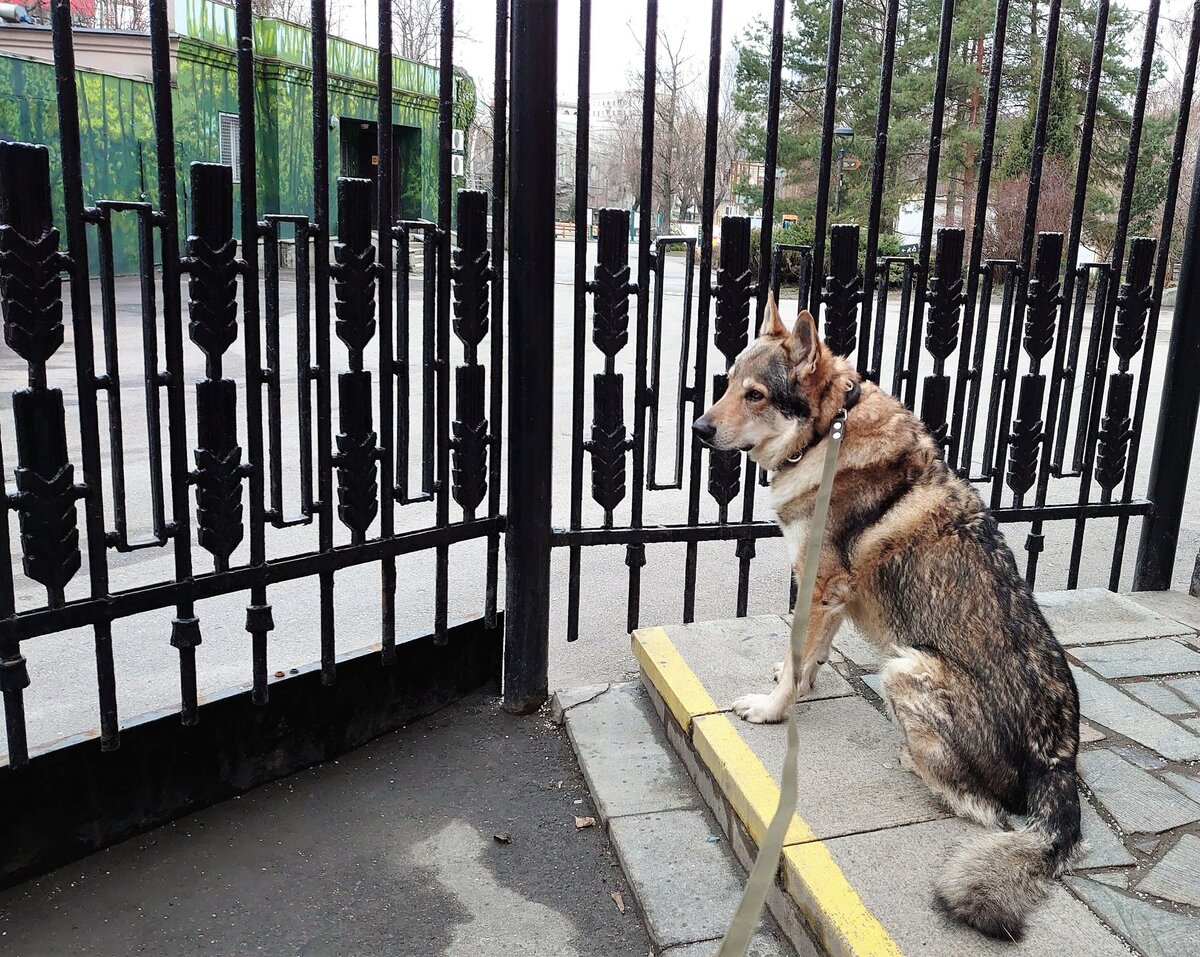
(360, 159)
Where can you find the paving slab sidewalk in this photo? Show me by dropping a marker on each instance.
(1138, 886)
(680, 869)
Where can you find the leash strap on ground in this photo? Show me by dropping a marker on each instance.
(745, 919)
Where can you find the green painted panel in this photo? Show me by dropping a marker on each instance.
(116, 134)
(212, 22)
(117, 125)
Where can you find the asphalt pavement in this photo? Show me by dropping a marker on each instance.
(455, 836)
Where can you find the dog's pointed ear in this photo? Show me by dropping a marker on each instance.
(772, 326)
(802, 341)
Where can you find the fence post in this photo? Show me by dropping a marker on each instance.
(531, 356)
(1177, 417)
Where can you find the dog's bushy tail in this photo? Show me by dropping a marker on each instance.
(994, 881)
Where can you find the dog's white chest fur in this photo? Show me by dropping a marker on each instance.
(795, 530)
(796, 535)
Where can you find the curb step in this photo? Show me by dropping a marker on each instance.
(680, 868)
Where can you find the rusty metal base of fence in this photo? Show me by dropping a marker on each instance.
(72, 799)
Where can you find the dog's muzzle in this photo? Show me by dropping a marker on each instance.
(705, 430)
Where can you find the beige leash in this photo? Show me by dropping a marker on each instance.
(745, 918)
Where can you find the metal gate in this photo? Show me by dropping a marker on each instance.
(226, 439)
(990, 352)
(1036, 391)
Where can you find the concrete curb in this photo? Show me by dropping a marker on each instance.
(832, 909)
(682, 874)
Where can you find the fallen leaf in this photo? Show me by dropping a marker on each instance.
(278, 674)
(503, 837)
(582, 822)
(618, 900)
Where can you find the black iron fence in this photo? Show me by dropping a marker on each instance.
(1032, 373)
(215, 449)
(1035, 391)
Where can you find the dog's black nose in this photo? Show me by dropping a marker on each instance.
(704, 429)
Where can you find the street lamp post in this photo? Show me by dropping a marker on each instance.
(843, 133)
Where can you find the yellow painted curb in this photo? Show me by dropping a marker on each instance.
(675, 681)
(812, 878)
(833, 908)
(743, 778)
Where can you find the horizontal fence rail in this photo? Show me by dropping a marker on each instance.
(232, 478)
(1032, 373)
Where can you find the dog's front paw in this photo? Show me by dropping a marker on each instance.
(777, 671)
(759, 708)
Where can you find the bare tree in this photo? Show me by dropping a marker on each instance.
(1006, 224)
(481, 139)
(680, 133)
(616, 152)
(127, 15)
(417, 30)
(293, 11)
(691, 134)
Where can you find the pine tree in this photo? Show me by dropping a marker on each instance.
(972, 50)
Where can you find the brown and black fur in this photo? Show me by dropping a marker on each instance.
(973, 675)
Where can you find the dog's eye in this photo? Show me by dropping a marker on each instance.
(753, 395)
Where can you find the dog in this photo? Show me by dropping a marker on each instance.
(973, 676)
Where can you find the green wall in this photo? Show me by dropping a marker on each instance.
(116, 117)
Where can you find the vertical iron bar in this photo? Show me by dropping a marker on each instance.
(387, 382)
(966, 438)
(1070, 272)
(14, 675)
(274, 396)
(654, 389)
(185, 629)
(445, 137)
(1157, 520)
(430, 252)
(899, 374)
(992, 467)
(1160, 276)
(258, 613)
(152, 380)
(878, 176)
(945, 41)
(322, 230)
(745, 547)
(1177, 417)
(833, 53)
(304, 364)
(1103, 273)
(881, 282)
(579, 342)
(499, 159)
(530, 376)
(700, 383)
(85, 367)
(635, 553)
(1025, 262)
(403, 353)
(969, 375)
(112, 373)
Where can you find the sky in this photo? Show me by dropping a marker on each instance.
(618, 28)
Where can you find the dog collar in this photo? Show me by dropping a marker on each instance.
(852, 396)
